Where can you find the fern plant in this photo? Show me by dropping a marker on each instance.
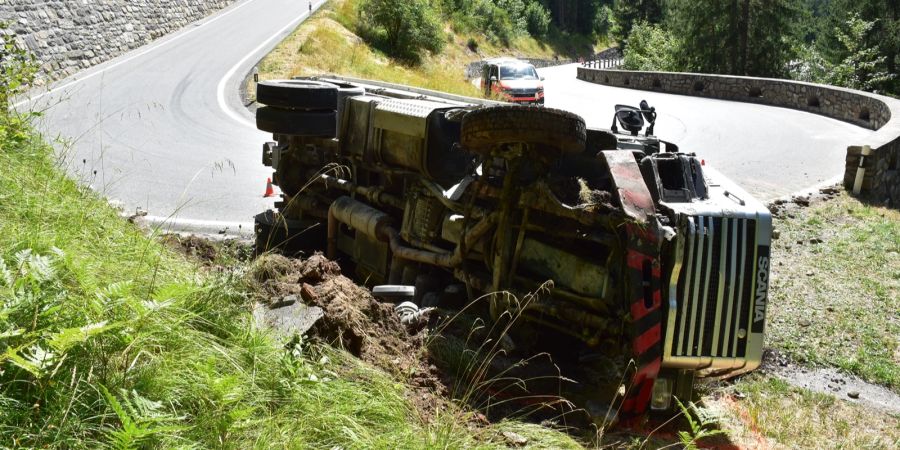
(141, 420)
(702, 425)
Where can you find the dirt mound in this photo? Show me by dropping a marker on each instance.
(355, 321)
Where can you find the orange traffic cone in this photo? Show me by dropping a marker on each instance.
(269, 191)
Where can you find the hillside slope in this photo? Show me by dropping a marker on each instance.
(328, 43)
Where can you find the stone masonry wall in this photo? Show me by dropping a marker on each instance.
(876, 112)
(473, 69)
(70, 35)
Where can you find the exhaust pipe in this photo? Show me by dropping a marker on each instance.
(377, 225)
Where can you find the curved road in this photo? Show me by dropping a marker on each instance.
(769, 151)
(162, 128)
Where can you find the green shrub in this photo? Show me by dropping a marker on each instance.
(650, 48)
(401, 28)
(472, 44)
(538, 19)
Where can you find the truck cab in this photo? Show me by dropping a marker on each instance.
(514, 80)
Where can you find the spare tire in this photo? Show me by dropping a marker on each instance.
(296, 122)
(484, 129)
(297, 94)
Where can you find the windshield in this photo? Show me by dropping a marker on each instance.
(520, 72)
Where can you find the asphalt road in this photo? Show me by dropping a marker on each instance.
(769, 151)
(162, 128)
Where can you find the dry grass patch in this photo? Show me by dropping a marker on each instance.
(772, 414)
(836, 288)
(327, 43)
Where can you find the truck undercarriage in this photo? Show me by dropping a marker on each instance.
(638, 256)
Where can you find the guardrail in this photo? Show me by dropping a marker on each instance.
(602, 63)
(881, 181)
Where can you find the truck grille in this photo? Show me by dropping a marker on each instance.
(713, 309)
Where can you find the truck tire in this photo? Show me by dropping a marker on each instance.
(296, 122)
(297, 94)
(484, 129)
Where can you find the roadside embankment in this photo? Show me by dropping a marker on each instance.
(876, 112)
(68, 36)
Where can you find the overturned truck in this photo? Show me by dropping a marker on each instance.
(656, 261)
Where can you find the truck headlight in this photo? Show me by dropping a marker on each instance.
(661, 396)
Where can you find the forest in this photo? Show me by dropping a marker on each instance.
(850, 43)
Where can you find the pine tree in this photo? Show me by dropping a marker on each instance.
(627, 13)
(737, 37)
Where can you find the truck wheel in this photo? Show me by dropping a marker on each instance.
(484, 129)
(297, 94)
(296, 122)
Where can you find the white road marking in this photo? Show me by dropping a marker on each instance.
(149, 48)
(220, 89)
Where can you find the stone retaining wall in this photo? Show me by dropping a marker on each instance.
(70, 35)
(876, 112)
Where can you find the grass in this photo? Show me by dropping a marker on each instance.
(110, 339)
(326, 43)
(836, 288)
(774, 414)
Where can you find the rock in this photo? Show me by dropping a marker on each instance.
(514, 439)
(810, 273)
(853, 394)
(815, 241)
(287, 300)
(776, 233)
(805, 323)
(307, 292)
(289, 320)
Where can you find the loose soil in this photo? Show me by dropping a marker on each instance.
(357, 322)
(207, 251)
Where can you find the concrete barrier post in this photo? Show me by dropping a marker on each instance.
(861, 169)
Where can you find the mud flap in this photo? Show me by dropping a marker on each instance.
(643, 274)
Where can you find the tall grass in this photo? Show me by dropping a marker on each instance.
(107, 339)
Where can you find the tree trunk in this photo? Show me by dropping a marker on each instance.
(733, 33)
(743, 38)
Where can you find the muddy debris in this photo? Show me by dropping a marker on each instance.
(207, 251)
(786, 207)
(354, 320)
